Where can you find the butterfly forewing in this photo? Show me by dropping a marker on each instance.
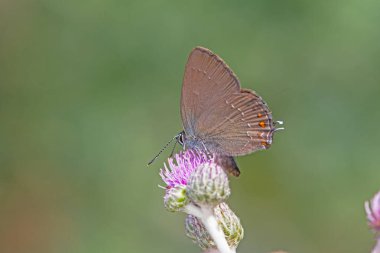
(216, 113)
(206, 81)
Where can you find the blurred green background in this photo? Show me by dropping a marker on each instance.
(89, 93)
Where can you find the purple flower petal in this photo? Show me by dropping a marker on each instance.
(178, 170)
(372, 209)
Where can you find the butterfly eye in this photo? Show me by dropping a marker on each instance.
(181, 138)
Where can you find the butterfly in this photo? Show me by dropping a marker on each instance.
(218, 116)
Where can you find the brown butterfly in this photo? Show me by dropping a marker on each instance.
(218, 116)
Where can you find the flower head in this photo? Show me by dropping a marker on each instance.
(372, 209)
(197, 185)
(208, 184)
(179, 173)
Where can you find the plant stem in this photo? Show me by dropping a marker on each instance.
(206, 215)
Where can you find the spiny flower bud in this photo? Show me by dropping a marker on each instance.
(208, 184)
(175, 198)
(227, 221)
(197, 232)
(230, 224)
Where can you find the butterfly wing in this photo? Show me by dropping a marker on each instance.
(217, 113)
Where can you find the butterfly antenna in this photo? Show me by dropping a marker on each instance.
(159, 153)
(279, 122)
(175, 144)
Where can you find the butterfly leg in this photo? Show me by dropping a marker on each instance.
(228, 163)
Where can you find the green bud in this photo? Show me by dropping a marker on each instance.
(175, 198)
(230, 224)
(208, 184)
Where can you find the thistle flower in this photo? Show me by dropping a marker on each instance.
(208, 184)
(227, 221)
(198, 176)
(176, 176)
(196, 184)
(372, 208)
(179, 173)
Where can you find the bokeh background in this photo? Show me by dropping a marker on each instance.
(89, 93)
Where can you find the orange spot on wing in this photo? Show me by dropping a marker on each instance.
(262, 124)
(259, 115)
